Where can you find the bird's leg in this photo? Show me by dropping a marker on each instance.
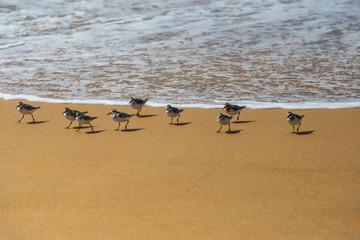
(32, 117)
(238, 116)
(21, 119)
(171, 120)
(177, 120)
(91, 127)
(293, 128)
(118, 127)
(298, 128)
(219, 129)
(126, 124)
(69, 124)
(78, 128)
(229, 128)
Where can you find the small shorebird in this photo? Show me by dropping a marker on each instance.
(71, 115)
(233, 109)
(173, 112)
(224, 120)
(294, 119)
(120, 117)
(138, 104)
(26, 109)
(84, 119)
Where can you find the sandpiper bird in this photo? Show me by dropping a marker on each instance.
(294, 119)
(173, 112)
(26, 109)
(224, 120)
(138, 104)
(233, 109)
(120, 117)
(71, 115)
(84, 119)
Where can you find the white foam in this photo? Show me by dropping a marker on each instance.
(32, 98)
(249, 104)
(182, 52)
(8, 45)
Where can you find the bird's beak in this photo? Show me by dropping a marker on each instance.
(223, 108)
(108, 113)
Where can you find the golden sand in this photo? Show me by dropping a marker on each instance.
(161, 181)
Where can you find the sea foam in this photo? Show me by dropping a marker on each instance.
(249, 104)
(265, 54)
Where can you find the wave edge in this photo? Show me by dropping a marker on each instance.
(249, 104)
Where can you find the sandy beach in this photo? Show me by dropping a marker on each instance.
(161, 181)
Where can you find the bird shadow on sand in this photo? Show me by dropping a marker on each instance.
(95, 132)
(305, 132)
(147, 116)
(80, 127)
(233, 132)
(244, 121)
(182, 123)
(132, 129)
(37, 122)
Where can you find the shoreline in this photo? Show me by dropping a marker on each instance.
(161, 181)
(311, 105)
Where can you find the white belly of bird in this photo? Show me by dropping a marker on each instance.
(172, 114)
(224, 121)
(137, 106)
(25, 111)
(83, 121)
(294, 121)
(121, 119)
(233, 112)
(69, 117)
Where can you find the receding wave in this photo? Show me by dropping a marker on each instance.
(8, 45)
(264, 54)
(249, 104)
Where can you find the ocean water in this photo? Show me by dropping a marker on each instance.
(199, 53)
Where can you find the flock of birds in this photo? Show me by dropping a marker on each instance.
(138, 104)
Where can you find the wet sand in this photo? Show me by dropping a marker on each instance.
(161, 181)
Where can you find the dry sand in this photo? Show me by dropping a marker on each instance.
(161, 181)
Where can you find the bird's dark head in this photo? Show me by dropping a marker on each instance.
(112, 111)
(67, 110)
(226, 105)
(19, 105)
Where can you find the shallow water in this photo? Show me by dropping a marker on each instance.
(275, 53)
